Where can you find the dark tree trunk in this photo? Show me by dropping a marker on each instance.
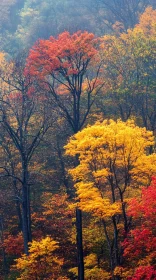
(26, 209)
(79, 244)
(79, 239)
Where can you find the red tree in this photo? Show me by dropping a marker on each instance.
(64, 65)
(140, 245)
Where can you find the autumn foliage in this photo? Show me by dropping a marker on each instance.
(77, 150)
(140, 245)
(41, 262)
(13, 244)
(113, 160)
(128, 62)
(67, 55)
(61, 66)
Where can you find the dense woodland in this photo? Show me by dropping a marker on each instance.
(77, 139)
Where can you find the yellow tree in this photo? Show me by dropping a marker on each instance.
(113, 162)
(42, 262)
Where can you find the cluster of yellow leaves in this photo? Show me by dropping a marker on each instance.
(91, 201)
(148, 22)
(145, 168)
(122, 272)
(2, 58)
(41, 263)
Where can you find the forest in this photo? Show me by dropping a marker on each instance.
(77, 139)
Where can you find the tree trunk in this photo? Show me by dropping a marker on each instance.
(26, 209)
(79, 244)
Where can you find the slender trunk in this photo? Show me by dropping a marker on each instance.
(79, 244)
(26, 208)
(79, 239)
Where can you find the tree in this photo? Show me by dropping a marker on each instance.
(67, 62)
(112, 164)
(125, 13)
(139, 246)
(42, 262)
(129, 73)
(21, 109)
(42, 19)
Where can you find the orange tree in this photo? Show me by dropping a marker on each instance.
(113, 163)
(62, 65)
